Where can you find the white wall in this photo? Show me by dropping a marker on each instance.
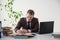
(45, 10)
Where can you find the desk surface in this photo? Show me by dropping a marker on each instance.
(37, 37)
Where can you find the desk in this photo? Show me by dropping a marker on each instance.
(37, 37)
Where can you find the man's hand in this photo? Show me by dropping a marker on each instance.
(24, 30)
(21, 32)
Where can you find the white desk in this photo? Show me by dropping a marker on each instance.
(37, 37)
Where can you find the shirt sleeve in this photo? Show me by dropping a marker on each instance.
(29, 31)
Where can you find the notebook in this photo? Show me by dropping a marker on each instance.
(25, 36)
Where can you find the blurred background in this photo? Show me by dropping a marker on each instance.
(45, 10)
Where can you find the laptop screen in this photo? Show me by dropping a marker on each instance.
(46, 27)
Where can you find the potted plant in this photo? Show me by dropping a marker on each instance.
(13, 15)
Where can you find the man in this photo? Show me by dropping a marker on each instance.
(28, 24)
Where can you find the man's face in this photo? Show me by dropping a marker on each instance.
(29, 16)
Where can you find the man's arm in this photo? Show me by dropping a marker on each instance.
(36, 27)
(18, 25)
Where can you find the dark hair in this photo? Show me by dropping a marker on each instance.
(30, 12)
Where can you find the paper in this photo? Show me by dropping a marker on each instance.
(26, 34)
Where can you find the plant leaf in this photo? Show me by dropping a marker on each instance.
(5, 20)
(13, 24)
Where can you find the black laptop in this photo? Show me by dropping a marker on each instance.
(46, 27)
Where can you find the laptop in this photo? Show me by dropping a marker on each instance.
(46, 27)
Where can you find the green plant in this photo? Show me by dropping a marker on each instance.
(1, 7)
(11, 13)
